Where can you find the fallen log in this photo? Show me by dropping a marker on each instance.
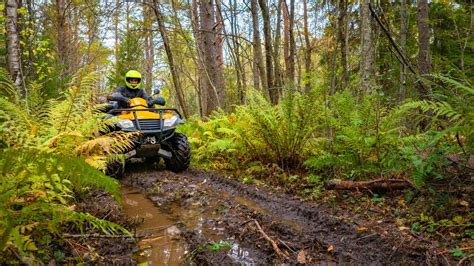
(377, 184)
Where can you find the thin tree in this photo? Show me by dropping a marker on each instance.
(424, 62)
(13, 46)
(149, 47)
(343, 39)
(169, 55)
(403, 48)
(63, 37)
(307, 53)
(259, 73)
(276, 54)
(367, 50)
(273, 92)
(203, 81)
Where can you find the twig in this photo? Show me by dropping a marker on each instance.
(284, 244)
(274, 245)
(95, 236)
(447, 250)
(463, 259)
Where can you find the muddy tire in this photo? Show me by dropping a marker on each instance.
(181, 153)
(115, 169)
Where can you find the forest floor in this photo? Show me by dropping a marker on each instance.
(214, 219)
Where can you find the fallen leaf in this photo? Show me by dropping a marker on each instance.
(301, 257)
(330, 248)
(361, 228)
(464, 203)
(401, 228)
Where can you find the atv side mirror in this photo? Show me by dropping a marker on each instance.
(159, 101)
(155, 91)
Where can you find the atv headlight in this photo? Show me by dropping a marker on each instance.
(126, 123)
(170, 121)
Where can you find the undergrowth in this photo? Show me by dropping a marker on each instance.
(50, 152)
(308, 139)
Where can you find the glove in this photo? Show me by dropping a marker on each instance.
(160, 101)
(126, 102)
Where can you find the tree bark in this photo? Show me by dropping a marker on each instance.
(13, 46)
(384, 184)
(63, 37)
(276, 54)
(211, 64)
(272, 91)
(219, 75)
(286, 38)
(367, 50)
(291, 33)
(149, 54)
(335, 22)
(403, 48)
(203, 80)
(343, 39)
(169, 55)
(259, 75)
(424, 62)
(239, 70)
(307, 54)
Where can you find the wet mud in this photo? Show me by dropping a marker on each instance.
(207, 218)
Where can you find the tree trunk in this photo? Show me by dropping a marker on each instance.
(367, 50)
(219, 75)
(335, 22)
(343, 39)
(149, 47)
(259, 68)
(203, 80)
(211, 64)
(291, 33)
(307, 54)
(403, 48)
(273, 92)
(63, 37)
(286, 38)
(13, 46)
(276, 54)
(169, 55)
(239, 70)
(116, 34)
(424, 62)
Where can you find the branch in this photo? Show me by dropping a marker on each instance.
(274, 245)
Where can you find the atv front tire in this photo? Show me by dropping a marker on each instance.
(115, 169)
(181, 153)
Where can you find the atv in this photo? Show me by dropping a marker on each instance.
(158, 137)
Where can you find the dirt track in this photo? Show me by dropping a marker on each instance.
(230, 211)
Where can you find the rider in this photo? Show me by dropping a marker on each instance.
(123, 94)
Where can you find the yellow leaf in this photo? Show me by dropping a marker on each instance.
(401, 228)
(361, 228)
(330, 248)
(464, 203)
(401, 202)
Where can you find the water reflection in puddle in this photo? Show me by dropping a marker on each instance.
(240, 255)
(161, 244)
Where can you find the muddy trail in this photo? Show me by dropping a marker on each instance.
(212, 219)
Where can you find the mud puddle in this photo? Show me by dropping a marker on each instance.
(159, 233)
(162, 228)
